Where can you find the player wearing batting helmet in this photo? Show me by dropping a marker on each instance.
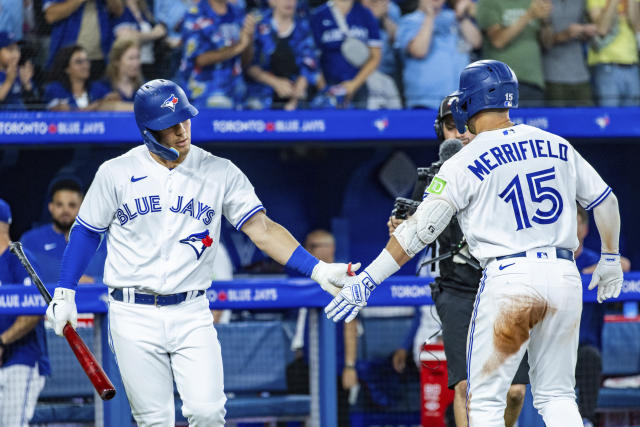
(162, 204)
(513, 190)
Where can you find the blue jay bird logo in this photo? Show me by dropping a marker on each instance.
(170, 102)
(198, 242)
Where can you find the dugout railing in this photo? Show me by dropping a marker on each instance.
(316, 409)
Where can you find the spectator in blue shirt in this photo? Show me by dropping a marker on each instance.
(435, 46)
(124, 75)
(48, 242)
(83, 22)
(361, 46)
(16, 82)
(217, 39)
(388, 15)
(284, 59)
(589, 364)
(24, 362)
(70, 88)
(137, 22)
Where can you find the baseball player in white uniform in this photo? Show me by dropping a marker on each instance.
(162, 204)
(514, 189)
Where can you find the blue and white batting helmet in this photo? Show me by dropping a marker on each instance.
(160, 104)
(484, 85)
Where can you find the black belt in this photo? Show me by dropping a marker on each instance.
(560, 253)
(158, 300)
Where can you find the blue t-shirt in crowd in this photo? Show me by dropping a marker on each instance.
(328, 37)
(31, 348)
(388, 62)
(592, 320)
(13, 100)
(218, 85)
(55, 93)
(427, 80)
(300, 40)
(65, 31)
(47, 246)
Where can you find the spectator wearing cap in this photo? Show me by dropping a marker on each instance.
(24, 362)
(613, 54)
(83, 22)
(48, 242)
(434, 42)
(12, 17)
(217, 39)
(515, 31)
(565, 68)
(348, 37)
(137, 22)
(70, 87)
(284, 59)
(16, 81)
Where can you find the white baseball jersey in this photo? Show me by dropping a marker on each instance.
(164, 225)
(518, 187)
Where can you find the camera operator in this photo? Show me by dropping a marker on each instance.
(454, 290)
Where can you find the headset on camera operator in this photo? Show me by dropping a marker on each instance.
(455, 288)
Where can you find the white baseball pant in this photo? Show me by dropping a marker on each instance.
(20, 386)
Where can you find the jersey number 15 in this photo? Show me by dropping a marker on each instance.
(539, 193)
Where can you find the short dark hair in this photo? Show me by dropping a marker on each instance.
(69, 184)
(583, 214)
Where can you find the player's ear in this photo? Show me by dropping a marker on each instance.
(50, 206)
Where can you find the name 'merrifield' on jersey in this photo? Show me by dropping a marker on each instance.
(516, 152)
(141, 206)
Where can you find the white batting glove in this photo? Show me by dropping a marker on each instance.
(330, 275)
(607, 277)
(62, 309)
(353, 296)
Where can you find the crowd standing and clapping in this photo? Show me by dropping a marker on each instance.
(91, 55)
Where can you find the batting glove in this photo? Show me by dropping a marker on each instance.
(607, 277)
(353, 296)
(330, 276)
(62, 309)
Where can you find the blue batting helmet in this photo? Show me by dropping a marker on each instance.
(483, 85)
(160, 104)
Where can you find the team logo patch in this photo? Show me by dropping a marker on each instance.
(437, 185)
(198, 242)
(170, 102)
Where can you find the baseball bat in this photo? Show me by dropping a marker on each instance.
(87, 360)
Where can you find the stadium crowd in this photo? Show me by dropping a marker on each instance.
(91, 55)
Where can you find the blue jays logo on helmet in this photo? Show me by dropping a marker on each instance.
(484, 85)
(198, 242)
(170, 102)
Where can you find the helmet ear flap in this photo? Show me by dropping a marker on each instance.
(460, 116)
(167, 153)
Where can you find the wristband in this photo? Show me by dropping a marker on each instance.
(350, 366)
(302, 261)
(381, 268)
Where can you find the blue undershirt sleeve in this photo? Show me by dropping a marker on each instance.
(82, 245)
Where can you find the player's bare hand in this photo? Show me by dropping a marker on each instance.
(393, 223)
(330, 276)
(62, 309)
(352, 297)
(399, 360)
(607, 277)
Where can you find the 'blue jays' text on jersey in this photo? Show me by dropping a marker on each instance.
(65, 31)
(328, 37)
(47, 247)
(204, 30)
(164, 225)
(516, 189)
(300, 40)
(32, 348)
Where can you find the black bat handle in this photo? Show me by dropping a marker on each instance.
(16, 248)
